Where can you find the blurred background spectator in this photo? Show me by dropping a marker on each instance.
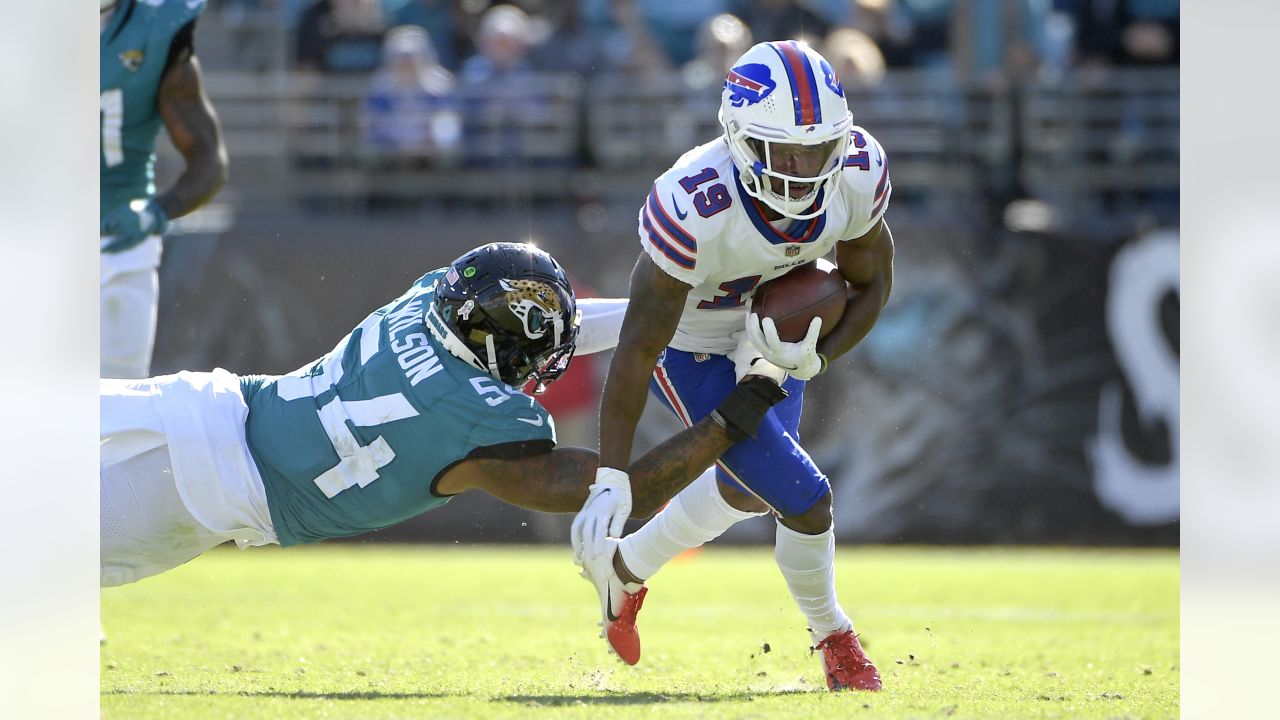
(997, 43)
(782, 19)
(720, 41)
(565, 43)
(340, 36)
(502, 41)
(410, 114)
(856, 59)
(887, 24)
(498, 88)
(434, 16)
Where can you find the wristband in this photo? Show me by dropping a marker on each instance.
(741, 413)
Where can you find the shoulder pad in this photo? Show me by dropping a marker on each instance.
(684, 207)
(865, 181)
(664, 226)
(519, 418)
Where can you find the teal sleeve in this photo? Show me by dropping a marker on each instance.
(519, 419)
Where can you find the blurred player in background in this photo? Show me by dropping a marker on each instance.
(418, 403)
(791, 179)
(149, 75)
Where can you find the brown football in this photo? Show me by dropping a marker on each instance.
(815, 289)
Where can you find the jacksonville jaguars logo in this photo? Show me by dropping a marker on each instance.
(832, 80)
(749, 84)
(131, 60)
(537, 305)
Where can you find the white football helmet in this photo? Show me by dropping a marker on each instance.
(787, 124)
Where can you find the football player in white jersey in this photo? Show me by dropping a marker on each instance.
(790, 180)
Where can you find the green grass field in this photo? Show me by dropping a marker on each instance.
(444, 632)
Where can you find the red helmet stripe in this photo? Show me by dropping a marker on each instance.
(804, 87)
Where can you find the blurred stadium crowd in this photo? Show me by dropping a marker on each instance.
(1021, 385)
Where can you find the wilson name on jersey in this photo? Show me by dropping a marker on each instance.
(354, 442)
(134, 53)
(701, 227)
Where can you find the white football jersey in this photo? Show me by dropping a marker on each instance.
(702, 228)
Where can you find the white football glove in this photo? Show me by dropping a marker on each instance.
(748, 360)
(800, 359)
(604, 513)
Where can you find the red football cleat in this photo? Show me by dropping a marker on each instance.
(621, 633)
(845, 665)
(619, 603)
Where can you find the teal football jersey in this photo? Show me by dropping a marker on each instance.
(134, 51)
(354, 441)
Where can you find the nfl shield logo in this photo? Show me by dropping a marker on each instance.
(793, 250)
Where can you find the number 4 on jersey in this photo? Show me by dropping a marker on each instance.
(357, 464)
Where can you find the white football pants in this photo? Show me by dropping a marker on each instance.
(129, 294)
(145, 528)
(176, 477)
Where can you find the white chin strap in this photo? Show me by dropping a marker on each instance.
(459, 349)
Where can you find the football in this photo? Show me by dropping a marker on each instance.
(815, 289)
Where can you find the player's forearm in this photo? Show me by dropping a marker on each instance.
(203, 178)
(665, 470)
(192, 125)
(622, 403)
(861, 311)
(869, 272)
(557, 483)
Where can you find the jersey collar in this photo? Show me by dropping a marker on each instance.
(800, 231)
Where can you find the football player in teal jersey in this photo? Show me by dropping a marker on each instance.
(149, 75)
(420, 402)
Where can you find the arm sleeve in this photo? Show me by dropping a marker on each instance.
(601, 324)
(869, 191)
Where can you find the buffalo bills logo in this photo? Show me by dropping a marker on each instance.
(749, 84)
(829, 75)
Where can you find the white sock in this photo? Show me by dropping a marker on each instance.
(808, 564)
(694, 516)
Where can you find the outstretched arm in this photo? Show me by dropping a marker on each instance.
(192, 125)
(557, 481)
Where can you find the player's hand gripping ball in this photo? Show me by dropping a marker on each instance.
(789, 314)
